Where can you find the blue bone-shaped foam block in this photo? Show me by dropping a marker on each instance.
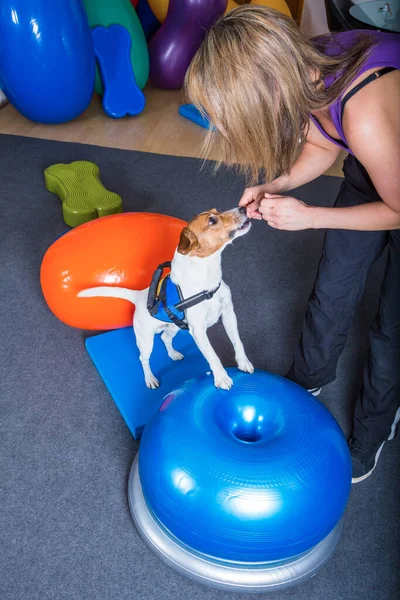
(122, 96)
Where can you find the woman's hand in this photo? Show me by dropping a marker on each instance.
(285, 212)
(253, 196)
(251, 199)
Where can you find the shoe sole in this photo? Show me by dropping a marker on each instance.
(316, 392)
(394, 425)
(377, 455)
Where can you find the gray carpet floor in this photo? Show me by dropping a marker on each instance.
(65, 527)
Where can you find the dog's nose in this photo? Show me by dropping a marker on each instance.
(242, 210)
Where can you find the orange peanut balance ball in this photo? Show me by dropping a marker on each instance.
(119, 250)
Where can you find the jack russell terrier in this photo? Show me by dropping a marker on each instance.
(192, 296)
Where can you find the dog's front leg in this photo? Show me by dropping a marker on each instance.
(231, 327)
(221, 377)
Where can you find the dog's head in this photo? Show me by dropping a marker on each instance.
(211, 231)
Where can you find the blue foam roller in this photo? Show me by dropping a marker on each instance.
(116, 358)
(122, 96)
(190, 112)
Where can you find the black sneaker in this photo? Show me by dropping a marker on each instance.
(364, 458)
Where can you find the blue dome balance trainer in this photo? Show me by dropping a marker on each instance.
(243, 490)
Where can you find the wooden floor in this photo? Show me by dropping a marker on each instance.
(159, 129)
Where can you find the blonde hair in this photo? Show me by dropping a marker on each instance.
(254, 77)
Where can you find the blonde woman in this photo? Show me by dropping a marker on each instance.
(289, 106)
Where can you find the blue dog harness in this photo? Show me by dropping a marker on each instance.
(165, 301)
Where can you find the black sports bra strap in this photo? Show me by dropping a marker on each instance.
(362, 84)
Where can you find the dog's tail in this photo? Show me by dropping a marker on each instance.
(109, 292)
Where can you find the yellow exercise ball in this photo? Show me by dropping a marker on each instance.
(160, 7)
(231, 5)
(277, 4)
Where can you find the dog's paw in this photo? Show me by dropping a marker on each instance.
(223, 381)
(175, 355)
(152, 382)
(245, 365)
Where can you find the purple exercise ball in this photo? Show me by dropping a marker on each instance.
(176, 42)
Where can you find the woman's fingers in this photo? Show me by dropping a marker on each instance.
(255, 195)
(248, 197)
(273, 196)
(285, 212)
(245, 200)
(252, 194)
(252, 209)
(269, 210)
(267, 206)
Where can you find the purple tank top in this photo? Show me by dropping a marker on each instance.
(386, 53)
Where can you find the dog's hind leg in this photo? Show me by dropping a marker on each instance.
(145, 341)
(167, 336)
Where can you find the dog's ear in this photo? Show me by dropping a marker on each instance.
(188, 241)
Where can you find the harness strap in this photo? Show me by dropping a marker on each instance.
(175, 320)
(158, 295)
(153, 289)
(162, 297)
(196, 299)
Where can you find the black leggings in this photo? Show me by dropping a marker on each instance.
(344, 266)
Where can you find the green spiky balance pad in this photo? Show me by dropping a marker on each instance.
(81, 192)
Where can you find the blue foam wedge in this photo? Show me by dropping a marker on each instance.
(190, 112)
(116, 358)
(122, 96)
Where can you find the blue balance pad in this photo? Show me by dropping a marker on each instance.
(190, 112)
(116, 358)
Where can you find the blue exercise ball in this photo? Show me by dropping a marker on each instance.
(47, 63)
(259, 473)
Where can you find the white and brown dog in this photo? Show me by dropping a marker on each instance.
(203, 296)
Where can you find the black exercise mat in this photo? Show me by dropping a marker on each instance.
(66, 531)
